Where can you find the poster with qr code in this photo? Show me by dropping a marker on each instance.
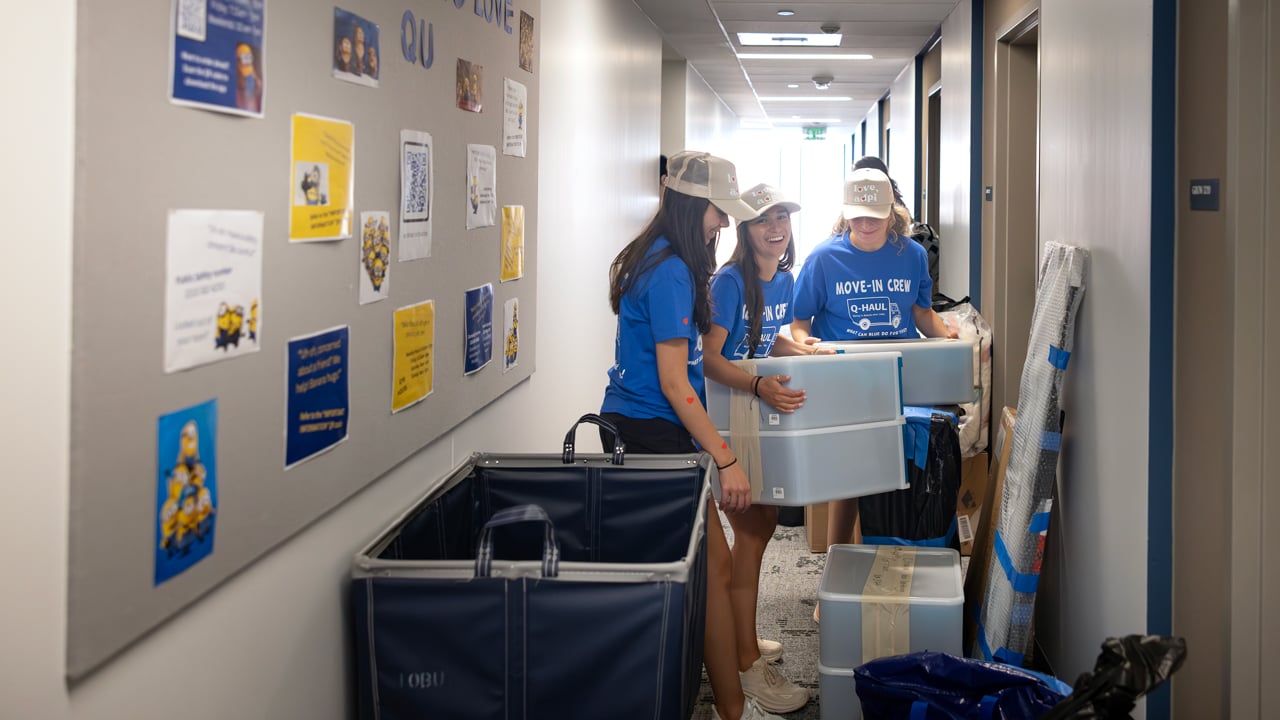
(515, 114)
(416, 183)
(321, 181)
(216, 55)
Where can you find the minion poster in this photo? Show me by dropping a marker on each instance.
(375, 256)
(321, 179)
(512, 242)
(413, 374)
(481, 191)
(515, 117)
(510, 334)
(186, 488)
(317, 399)
(213, 286)
(479, 328)
(216, 55)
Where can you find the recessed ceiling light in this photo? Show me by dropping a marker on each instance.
(792, 85)
(789, 39)
(786, 13)
(808, 98)
(802, 56)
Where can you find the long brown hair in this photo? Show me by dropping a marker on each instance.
(680, 221)
(752, 289)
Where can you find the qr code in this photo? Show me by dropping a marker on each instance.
(416, 189)
(192, 16)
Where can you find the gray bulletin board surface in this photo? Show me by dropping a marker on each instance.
(139, 156)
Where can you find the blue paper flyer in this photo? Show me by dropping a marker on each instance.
(479, 327)
(186, 488)
(317, 398)
(216, 61)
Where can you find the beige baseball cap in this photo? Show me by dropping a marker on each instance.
(764, 197)
(868, 193)
(703, 175)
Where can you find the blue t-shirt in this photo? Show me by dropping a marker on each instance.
(729, 310)
(851, 294)
(656, 307)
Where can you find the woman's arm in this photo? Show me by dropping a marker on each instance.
(673, 374)
(770, 388)
(932, 324)
(801, 330)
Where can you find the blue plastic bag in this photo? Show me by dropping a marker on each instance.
(938, 686)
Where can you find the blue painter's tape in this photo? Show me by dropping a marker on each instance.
(1009, 657)
(1039, 523)
(1021, 582)
(1059, 357)
(1050, 440)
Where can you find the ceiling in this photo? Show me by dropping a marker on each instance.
(705, 32)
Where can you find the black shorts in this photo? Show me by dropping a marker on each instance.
(650, 436)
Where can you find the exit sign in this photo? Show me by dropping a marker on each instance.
(815, 133)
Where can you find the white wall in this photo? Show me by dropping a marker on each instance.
(271, 643)
(902, 134)
(709, 124)
(1095, 192)
(956, 155)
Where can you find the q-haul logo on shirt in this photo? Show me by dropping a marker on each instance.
(868, 312)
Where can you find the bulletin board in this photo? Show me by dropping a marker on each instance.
(203, 438)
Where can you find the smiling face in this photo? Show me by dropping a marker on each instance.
(770, 234)
(712, 221)
(869, 233)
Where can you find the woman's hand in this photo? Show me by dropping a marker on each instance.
(812, 343)
(779, 396)
(735, 489)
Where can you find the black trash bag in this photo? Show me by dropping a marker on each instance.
(938, 686)
(1127, 669)
(925, 513)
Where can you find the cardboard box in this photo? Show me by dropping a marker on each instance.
(815, 526)
(973, 486)
(975, 581)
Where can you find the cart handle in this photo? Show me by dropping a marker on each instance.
(618, 446)
(510, 516)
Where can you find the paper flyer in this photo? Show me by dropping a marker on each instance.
(216, 55)
(355, 48)
(512, 243)
(413, 357)
(186, 488)
(514, 107)
(213, 286)
(467, 87)
(317, 399)
(321, 179)
(482, 196)
(510, 334)
(375, 256)
(417, 178)
(526, 41)
(479, 328)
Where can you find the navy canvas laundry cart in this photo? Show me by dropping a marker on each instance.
(538, 586)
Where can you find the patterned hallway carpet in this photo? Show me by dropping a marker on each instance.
(789, 577)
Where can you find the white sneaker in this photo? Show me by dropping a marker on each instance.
(770, 650)
(750, 711)
(771, 691)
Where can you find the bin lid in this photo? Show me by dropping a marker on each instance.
(934, 572)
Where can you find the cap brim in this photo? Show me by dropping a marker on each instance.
(785, 204)
(737, 208)
(878, 212)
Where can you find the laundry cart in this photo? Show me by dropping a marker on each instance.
(538, 586)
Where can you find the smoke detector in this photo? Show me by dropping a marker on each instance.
(822, 82)
(830, 28)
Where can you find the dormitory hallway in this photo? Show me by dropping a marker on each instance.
(1167, 504)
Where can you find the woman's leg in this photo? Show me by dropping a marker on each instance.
(752, 531)
(720, 649)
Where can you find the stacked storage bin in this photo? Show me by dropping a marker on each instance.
(935, 371)
(845, 442)
(879, 601)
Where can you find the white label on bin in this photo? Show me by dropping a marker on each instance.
(779, 493)
(774, 418)
(886, 603)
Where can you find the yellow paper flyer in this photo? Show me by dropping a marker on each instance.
(321, 179)
(512, 242)
(414, 354)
